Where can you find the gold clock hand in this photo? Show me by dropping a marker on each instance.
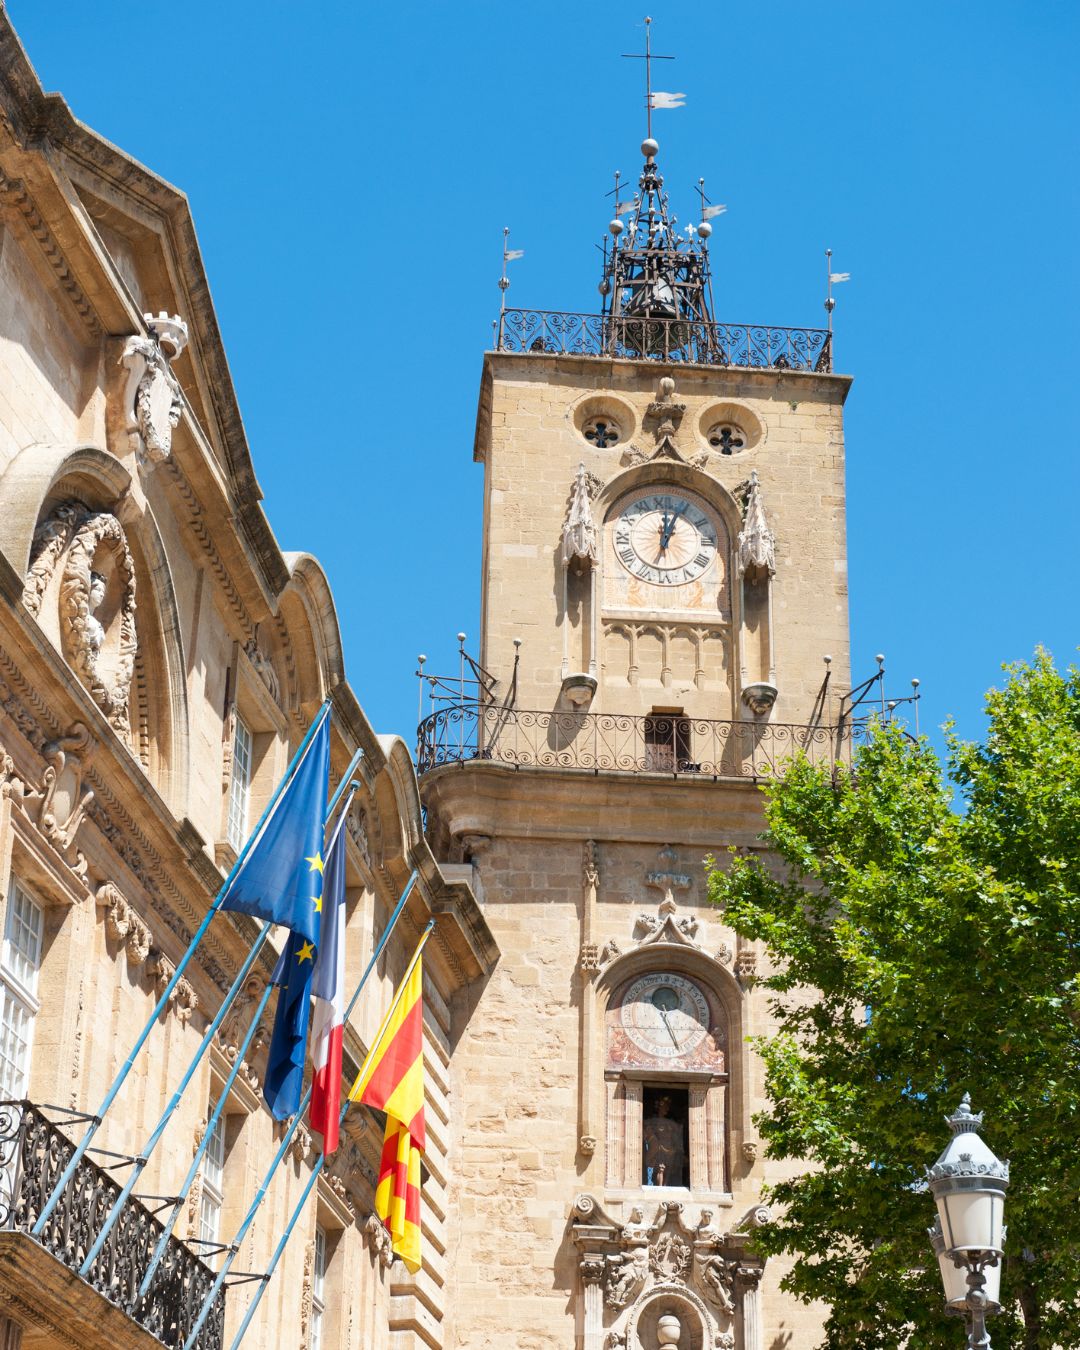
(674, 1038)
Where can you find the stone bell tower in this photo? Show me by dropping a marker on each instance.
(664, 538)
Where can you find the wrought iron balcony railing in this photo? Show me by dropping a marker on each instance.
(613, 743)
(758, 346)
(33, 1153)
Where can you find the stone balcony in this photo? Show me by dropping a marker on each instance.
(39, 1275)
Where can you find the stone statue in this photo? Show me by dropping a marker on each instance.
(95, 634)
(665, 1153)
(719, 1281)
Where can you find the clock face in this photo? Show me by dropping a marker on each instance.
(665, 539)
(667, 1016)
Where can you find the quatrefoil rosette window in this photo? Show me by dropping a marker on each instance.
(729, 428)
(604, 421)
(727, 437)
(602, 431)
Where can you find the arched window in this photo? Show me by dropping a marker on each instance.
(667, 1075)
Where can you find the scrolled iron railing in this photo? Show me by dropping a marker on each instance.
(618, 743)
(33, 1154)
(755, 346)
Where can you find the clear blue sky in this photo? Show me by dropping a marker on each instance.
(350, 169)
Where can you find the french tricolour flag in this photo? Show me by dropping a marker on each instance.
(328, 986)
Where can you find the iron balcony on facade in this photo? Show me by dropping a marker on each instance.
(33, 1154)
(616, 743)
(681, 340)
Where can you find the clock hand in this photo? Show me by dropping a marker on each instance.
(674, 1038)
(668, 527)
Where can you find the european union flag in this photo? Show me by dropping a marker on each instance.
(288, 1044)
(280, 879)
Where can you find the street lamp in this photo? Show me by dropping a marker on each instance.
(968, 1184)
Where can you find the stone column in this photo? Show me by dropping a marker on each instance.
(699, 1138)
(592, 1277)
(588, 1069)
(716, 1129)
(10, 1334)
(632, 1107)
(614, 1168)
(749, 1284)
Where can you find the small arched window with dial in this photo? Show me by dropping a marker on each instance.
(727, 437)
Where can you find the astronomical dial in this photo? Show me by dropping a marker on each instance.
(665, 539)
(667, 1016)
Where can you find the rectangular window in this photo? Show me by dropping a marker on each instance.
(318, 1291)
(667, 742)
(20, 964)
(213, 1187)
(239, 786)
(666, 1112)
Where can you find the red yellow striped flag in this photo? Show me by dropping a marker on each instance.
(392, 1080)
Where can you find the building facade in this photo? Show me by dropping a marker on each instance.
(664, 615)
(160, 659)
(664, 621)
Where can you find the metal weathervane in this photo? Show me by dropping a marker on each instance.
(650, 271)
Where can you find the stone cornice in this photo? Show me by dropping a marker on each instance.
(495, 800)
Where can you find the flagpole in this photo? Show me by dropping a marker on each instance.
(249, 1217)
(346, 784)
(167, 993)
(268, 1274)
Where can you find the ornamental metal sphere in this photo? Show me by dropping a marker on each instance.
(649, 148)
(605, 287)
(616, 227)
(704, 230)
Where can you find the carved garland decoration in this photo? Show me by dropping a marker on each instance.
(72, 529)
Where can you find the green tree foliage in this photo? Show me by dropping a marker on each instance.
(925, 945)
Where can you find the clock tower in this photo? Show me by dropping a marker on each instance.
(663, 573)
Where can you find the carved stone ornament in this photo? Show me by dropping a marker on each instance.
(590, 865)
(64, 800)
(750, 1151)
(307, 1291)
(232, 1031)
(666, 414)
(626, 1275)
(183, 1000)
(587, 1144)
(590, 957)
(746, 966)
(378, 1239)
(264, 668)
(668, 1283)
(756, 552)
(153, 402)
(96, 601)
(579, 538)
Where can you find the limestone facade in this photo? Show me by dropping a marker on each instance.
(621, 750)
(160, 659)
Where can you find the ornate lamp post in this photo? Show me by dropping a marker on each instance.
(968, 1184)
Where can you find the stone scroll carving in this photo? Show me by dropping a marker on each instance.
(153, 403)
(96, 601)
